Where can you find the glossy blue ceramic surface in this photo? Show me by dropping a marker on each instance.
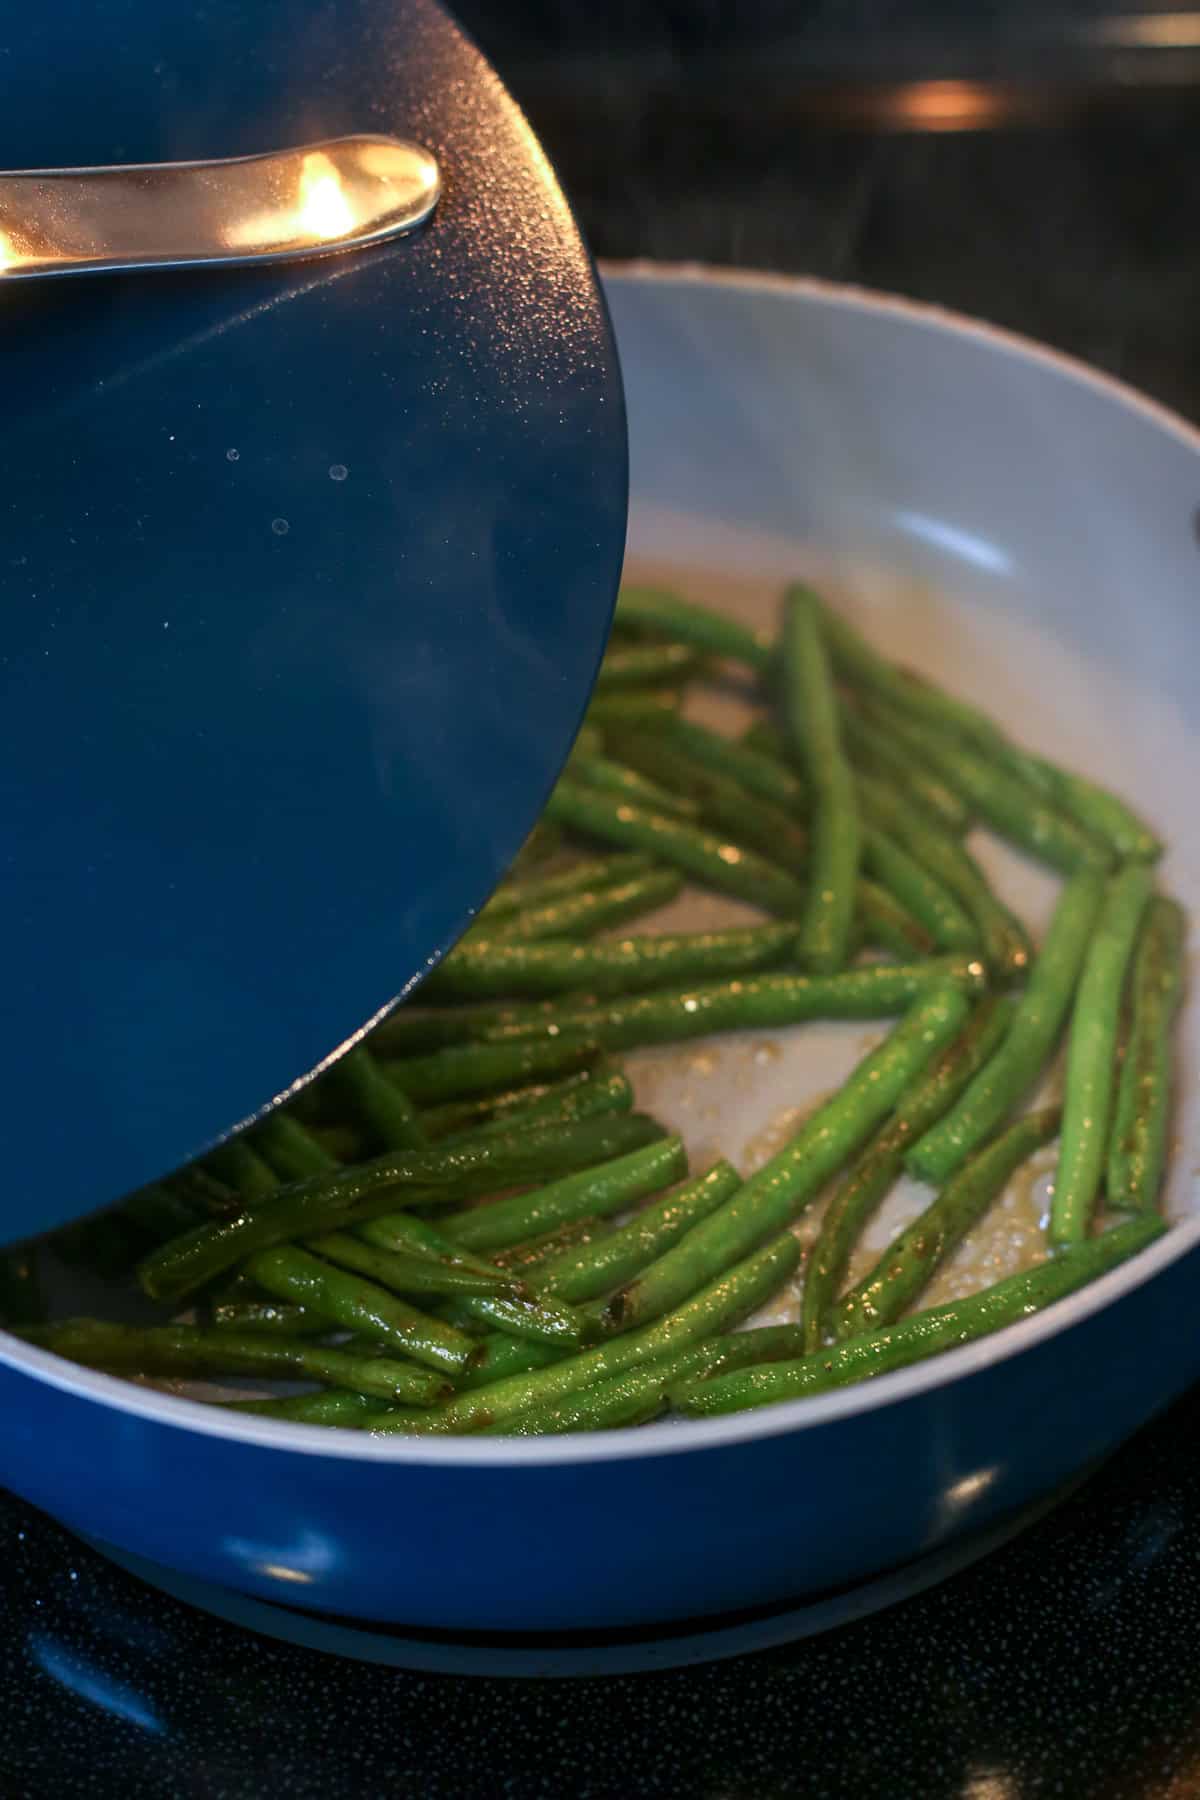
(304, 576)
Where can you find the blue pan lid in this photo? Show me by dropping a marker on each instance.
(305, 573)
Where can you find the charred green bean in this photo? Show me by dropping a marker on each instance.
(193, 1350)
(624, 965)
(779, 1192)
(866, 1184)
(1031, 1037)
(1139, 1135)
(1092, 1053)
(704, 855)
(909, 1262)
(594, 1192)
(697, 627)
(368, 1190)
(812, 713)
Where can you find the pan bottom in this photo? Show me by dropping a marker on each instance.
(555, 1655)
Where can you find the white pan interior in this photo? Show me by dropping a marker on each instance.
(999, 518)
(1020, 531)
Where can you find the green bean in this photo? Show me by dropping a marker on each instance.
(1099, 812)
(603, 1092)
(362, 1307)
(159, 1211)
(880, 757)
(732, 1296)
(383, 1110)
(417, 1030)
(645, 665)
(192, 1350)
(765, 776)
(615, 777)
(341, 1143)
(595, 909)
(461, 1117)
(367, 1190)
(268, 1316)
(1005, 942)
(778, 1193)
(1139, 1135)
(926, 1333)
(1031, 1037)
(1009, 805)
(233, 1287)
(884, 921)
(542, 1320)
(1096, 811)
(912, 826)
(513, 897)
(640, 1393)
(409, 1236)
(910, 1261)
(333, 1406)
(862, 667)
(609, 1092)
(704, 855)
(201, 1189)
(723, 803)
(1092, 1053)
(582, 1274)
(543, 842)
(402, 1273)
(632, 1399)
(766, 738)
(867, 1182)
(243, 1168)
(21, 1298)
(811, 709)
(612, 966)
(749, 1003)
(290, 1150)
(501, 1356)
(598, 1191)
(693, 625)
(521, 1259)
(469, 1068)
(929, 901)
(633, 704)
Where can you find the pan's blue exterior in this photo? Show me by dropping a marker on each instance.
(643, 1539)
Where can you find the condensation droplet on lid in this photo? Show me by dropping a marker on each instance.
(280, 527)
(338, 472)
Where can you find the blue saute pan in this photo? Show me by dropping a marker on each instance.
(1023, 528)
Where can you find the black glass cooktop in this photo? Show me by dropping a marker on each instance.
(1066, 1664)
(1037, 167)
